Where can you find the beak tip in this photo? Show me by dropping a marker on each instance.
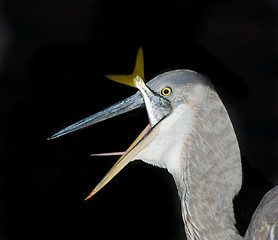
(54, 136)
(89, 196)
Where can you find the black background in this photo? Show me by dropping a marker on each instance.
(53, 57)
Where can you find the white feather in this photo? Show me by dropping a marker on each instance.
(160, 152)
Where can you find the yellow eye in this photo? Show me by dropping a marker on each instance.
(166, 91)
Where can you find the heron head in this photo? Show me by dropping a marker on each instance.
(180, 86)
(160, 96)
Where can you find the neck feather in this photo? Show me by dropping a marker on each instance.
(210, 174)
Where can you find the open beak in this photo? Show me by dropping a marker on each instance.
(157, 108)
(121, 107)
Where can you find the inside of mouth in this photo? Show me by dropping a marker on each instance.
(132, 146)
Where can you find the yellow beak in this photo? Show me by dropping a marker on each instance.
(136, 147)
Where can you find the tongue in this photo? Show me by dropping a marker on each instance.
(108, 154)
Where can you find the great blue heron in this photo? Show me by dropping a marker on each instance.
(191, 135)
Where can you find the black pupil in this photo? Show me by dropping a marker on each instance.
(166, 91)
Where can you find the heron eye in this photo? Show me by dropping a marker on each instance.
(166, 91)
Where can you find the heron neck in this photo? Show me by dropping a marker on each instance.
(204, 217)
(209, 175)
